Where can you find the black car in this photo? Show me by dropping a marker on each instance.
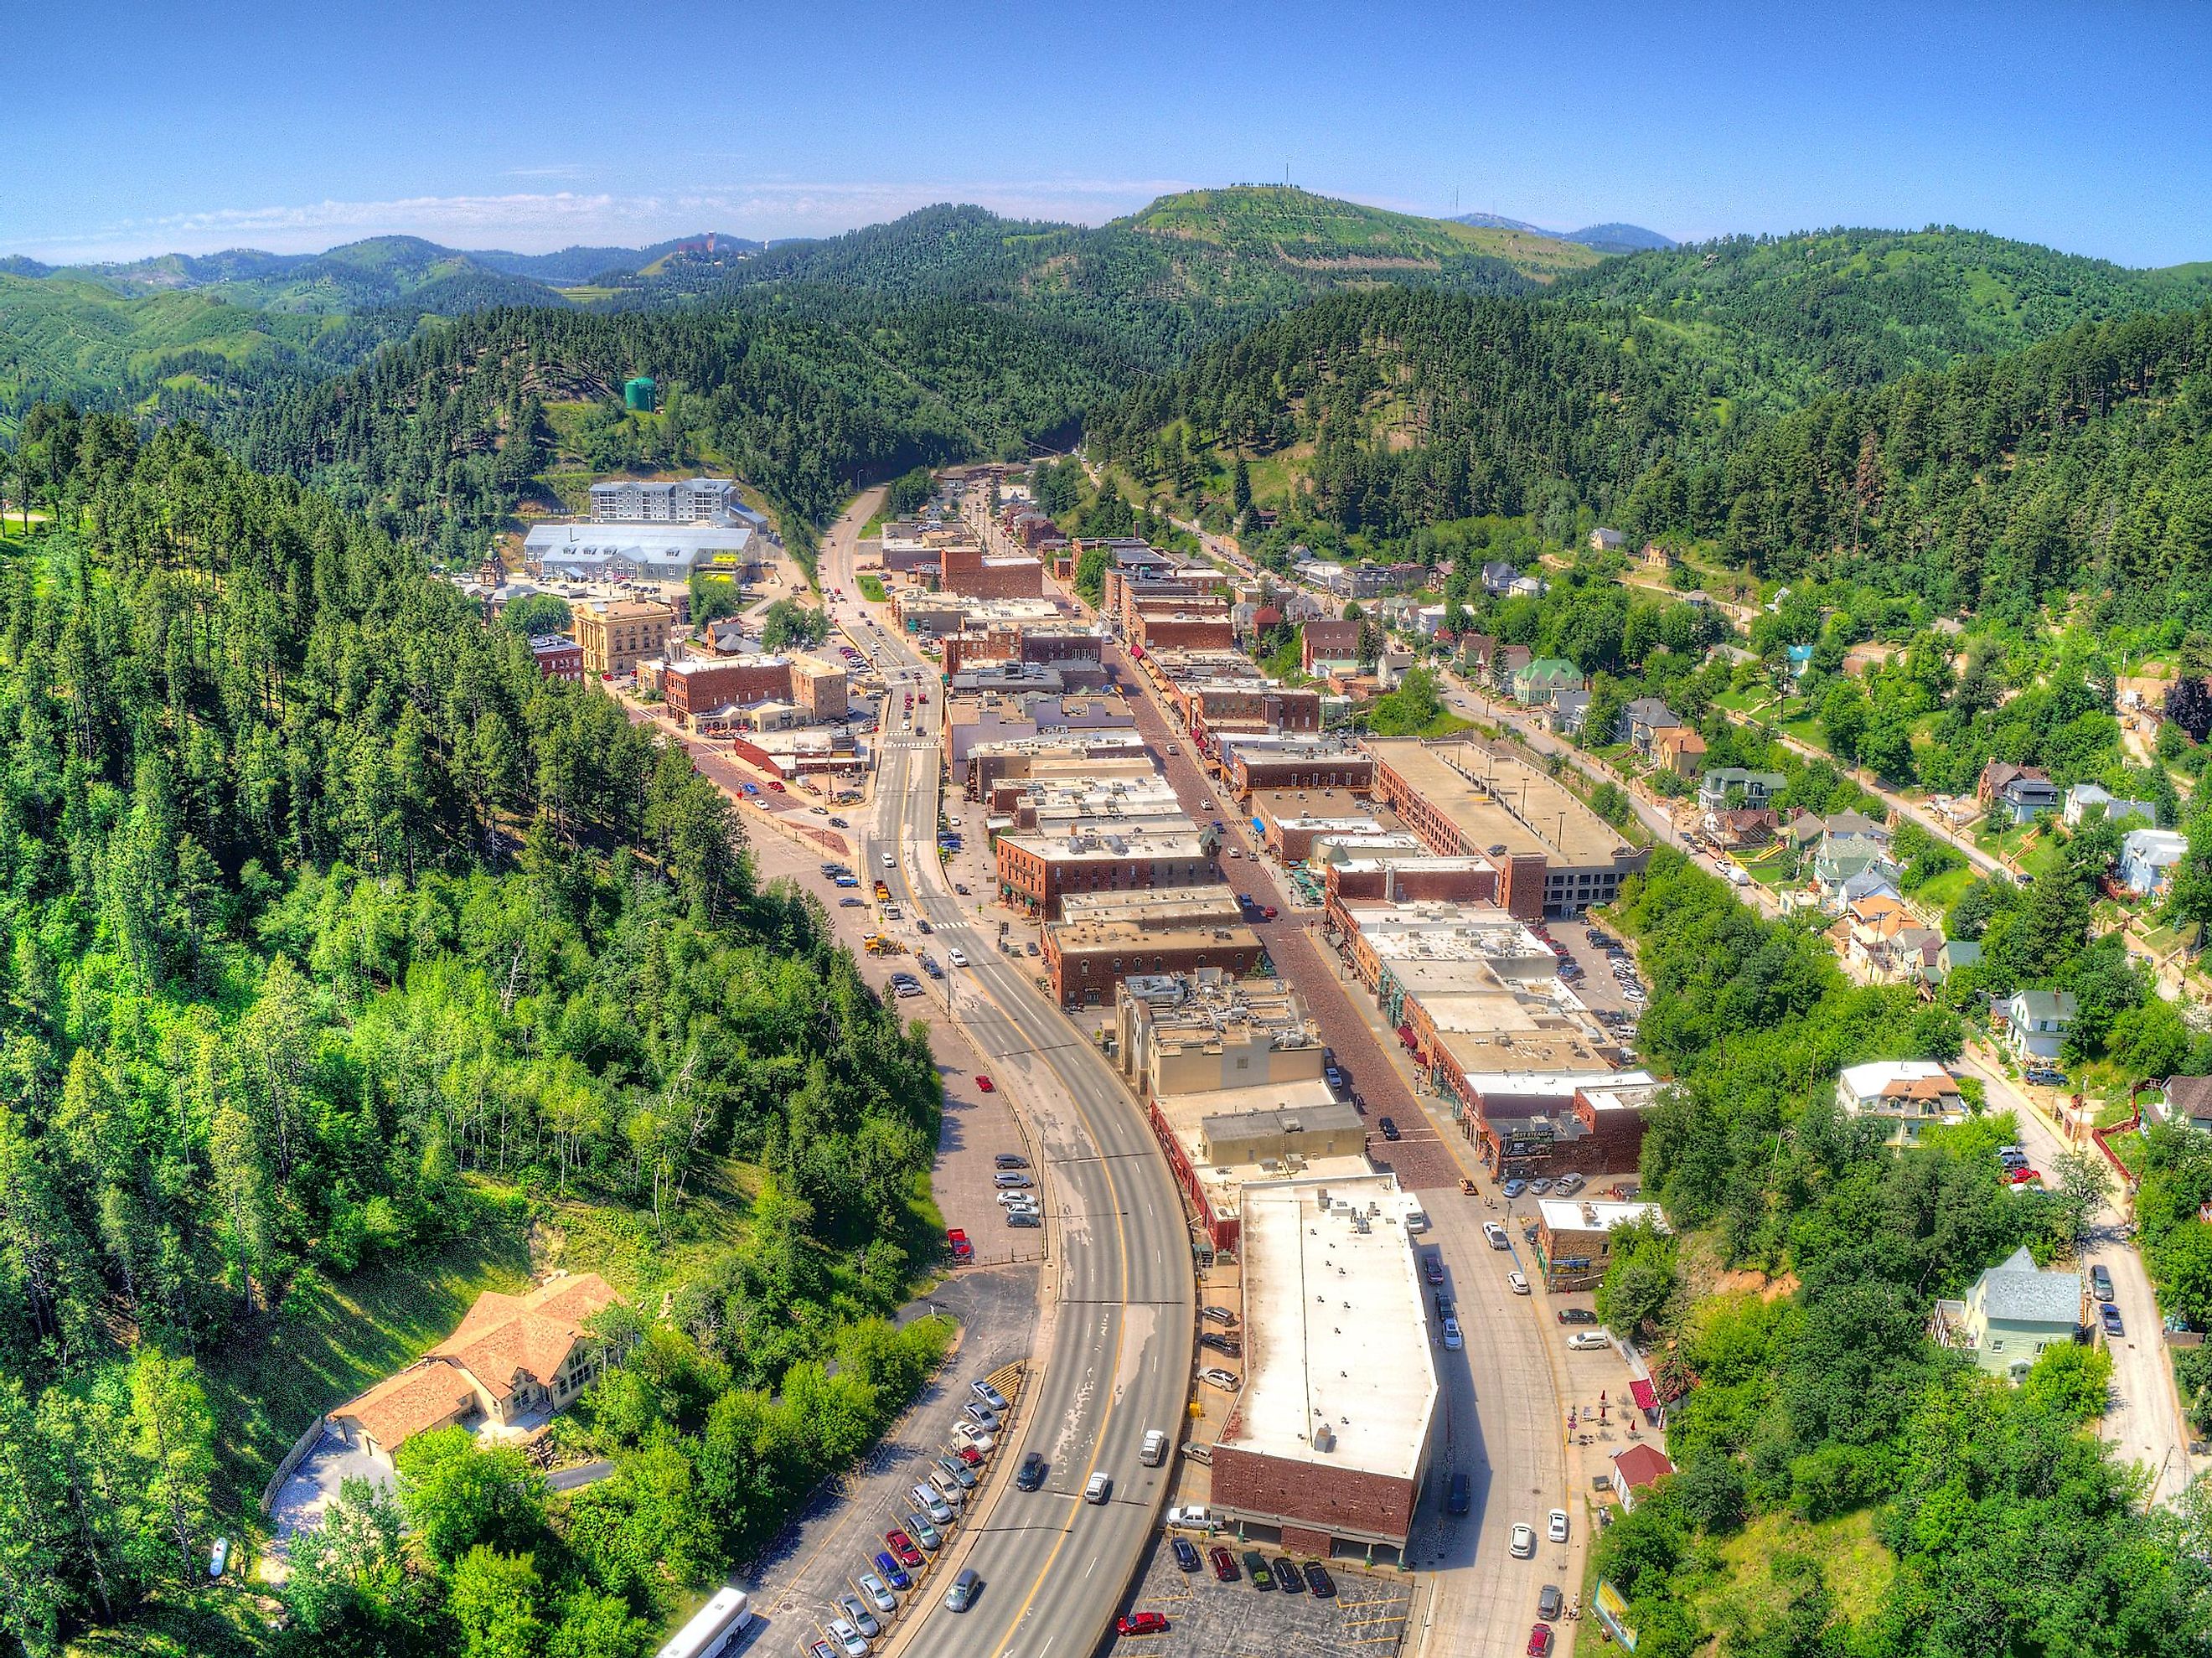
(1032, 1472)
(1462, 1488)
(1389, 1129)
(2110, 1316)
(1548, 1600)
(1222, 1344)
(1318, 1580)
(1576, 1315)
(1287, 1578)
(1185, 1555)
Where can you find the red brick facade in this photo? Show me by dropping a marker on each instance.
(968, 570)
(710, 685)
(1347, 1504)
(1084, 976)
(1037, 884)
(1247, 774)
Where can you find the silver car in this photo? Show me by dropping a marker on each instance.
(859, 1616)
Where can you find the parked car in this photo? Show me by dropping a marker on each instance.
(1141, 1623)
(1523, 1544)
(1185, 1555)
(1319, 1583)
(1256, 1568)
(1433, 1266)
(1389, 1128)
(2109, 1315)
(1576, 1315)
(1589, 1341)
(1555, 1525)
(902, 1547)
(985, 1393)
(1514, 1188)
(981, 1414)
(889, 1569)
(2100, 1281)
(1023, 1218)
(1286, 1577)
(968, 1456)
(1540, 1640)
(956, 1240)
(1218, 1316)
(923, 1532)
(1518, 1283)
(1224, 1563)
(1224, 1380)
(1549, 1602)
(1538, 1187)
(857, 1615)
(1222, 1344)
(1452, 1339)
(984, 1084)
(1496, 1235)
(856, 1644)
(1010, 1160)
(1566, 1186)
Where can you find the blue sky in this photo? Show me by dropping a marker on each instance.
(132, 128)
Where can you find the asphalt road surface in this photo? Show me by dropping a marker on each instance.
(1119, 1321)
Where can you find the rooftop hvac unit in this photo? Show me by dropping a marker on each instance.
(1324, 1438)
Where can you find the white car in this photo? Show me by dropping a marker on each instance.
(1588, 1341)
(1555, 1526)
(859, 1616)
(1524, 1542)
(850, 1639)
(1452, 1337)
(1518, 1283)
(967, 1433)
(1224, 1380)
(957, 958)
(1017, 1200)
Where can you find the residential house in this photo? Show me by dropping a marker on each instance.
(1642, 720)
(2014, 1312)
(1528, 587)
(1874, 921)
(2036, 1021)
(1955, 954)
(1606, 541)
(1568, 710)
(1545, 677)
(2147, 857)
(1475, 651)
(514, 1360)
(1680, 749)
(1906, 1094)
(1636, 1471)
(1327, 648)
(1800, 657)
(2083, 796)
(2188, 1101)
(1758, 786)
(1736, 826)
(2016, 791)
(1497, 578)
(1504, 662)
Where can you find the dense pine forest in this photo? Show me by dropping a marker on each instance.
(333, 931)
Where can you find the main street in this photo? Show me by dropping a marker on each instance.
(1117, 1354)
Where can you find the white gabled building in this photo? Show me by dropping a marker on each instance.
(1907, 1095)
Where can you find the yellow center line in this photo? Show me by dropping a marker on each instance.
(1121, 1245)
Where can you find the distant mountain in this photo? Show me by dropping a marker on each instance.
(572, 266)
(1604, 238)
(1615, 237)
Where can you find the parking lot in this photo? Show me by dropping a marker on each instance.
(1208, 1618)
(1596, 984)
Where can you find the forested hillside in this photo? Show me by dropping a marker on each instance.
(333, 933)
(1404, 407)
(799, 393)
(2081, 464)
(1790, 318)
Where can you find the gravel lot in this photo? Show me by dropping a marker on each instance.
(1208, 1618)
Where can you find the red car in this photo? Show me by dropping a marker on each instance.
(957, 1240)
(1142, 1622)
(1224, 1563)
(968, 1454)
(903, 1546)
(1540, 1640)
(984, 1084)
(2022, 1176)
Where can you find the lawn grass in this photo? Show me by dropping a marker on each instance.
(1757, 1582)
(215, 1622)
(871, 587)
(329, 1338)
(1944, 890)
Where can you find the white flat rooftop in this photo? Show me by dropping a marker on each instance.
(1576, 1215)
(1336, 1334)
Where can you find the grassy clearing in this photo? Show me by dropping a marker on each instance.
(1943, 891)
(871, 585)
(330, 1338)
(217, 1624)
(1760, 1567)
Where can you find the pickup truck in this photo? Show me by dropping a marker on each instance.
(957, 1240)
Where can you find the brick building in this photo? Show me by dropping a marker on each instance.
(1256, 760)
(1185, 623)
(1328, 646)
(1330, 1441)
(1555, 856)
(1085, 960)
(558, 657)
(703, 685)
(1034, 871)
(1574, 1238)
(966, 569)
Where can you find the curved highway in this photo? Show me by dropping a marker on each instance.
(1118, 1333)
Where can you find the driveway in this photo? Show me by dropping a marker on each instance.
(314, 1486)
(2144, 1424)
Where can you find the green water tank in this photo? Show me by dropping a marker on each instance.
(637, 394)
